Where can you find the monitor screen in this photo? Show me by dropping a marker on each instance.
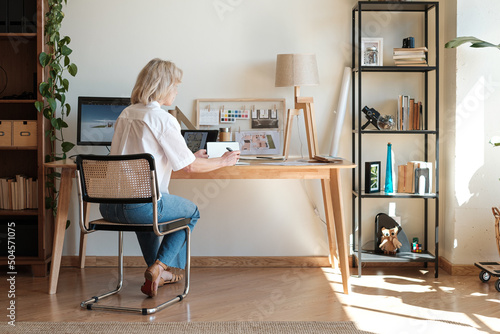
(96, 119)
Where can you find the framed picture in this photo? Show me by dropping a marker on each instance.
(372, 51)
(372, 177)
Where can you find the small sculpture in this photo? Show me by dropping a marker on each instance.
(390, 243)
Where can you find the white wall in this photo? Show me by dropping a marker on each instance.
(472, 120)
(227, 49)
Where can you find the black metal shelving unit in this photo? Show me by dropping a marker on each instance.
(426, 8)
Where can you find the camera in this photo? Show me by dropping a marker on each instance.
(372, 116)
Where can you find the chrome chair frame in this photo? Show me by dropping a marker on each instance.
(159, 229)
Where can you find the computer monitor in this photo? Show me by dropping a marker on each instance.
(97, 117)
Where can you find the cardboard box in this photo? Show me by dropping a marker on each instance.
(5, 133)
(24, 133)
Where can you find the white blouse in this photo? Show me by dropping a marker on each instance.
(150, 129)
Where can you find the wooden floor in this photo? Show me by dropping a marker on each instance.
(395, 297)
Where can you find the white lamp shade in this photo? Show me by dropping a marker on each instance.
(296, 70)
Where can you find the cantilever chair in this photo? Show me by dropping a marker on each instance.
(124, 179)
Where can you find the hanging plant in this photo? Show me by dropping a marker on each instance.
(57, 62)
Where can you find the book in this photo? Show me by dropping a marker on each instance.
(420, 48)
(409, 56)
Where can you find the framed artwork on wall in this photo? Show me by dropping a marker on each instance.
(372, 177)
(372, 51)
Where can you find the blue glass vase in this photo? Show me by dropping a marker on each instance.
(389, 188)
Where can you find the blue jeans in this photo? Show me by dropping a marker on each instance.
(172, 249)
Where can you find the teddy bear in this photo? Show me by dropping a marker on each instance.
(390, 243)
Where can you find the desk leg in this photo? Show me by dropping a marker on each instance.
(83, 236)
(330, 228)
(338, 215)
(60, 227)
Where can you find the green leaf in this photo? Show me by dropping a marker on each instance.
(72, 69)
(66, 61)
(475, 42)
(55, 123)
(68, 222)
(65, 51)
(44, 59)
(68, 109)
(52, 103)
(44, 89)
(39, 105)
(65, 83)
(67, 146)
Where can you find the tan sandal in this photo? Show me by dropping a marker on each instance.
(154, 279)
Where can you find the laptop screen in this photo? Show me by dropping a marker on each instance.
(198, 139)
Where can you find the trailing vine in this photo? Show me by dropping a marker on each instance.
(56, 61)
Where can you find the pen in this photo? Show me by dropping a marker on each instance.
(229, 149)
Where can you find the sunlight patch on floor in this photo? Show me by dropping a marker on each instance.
(492, 323)
(382, 299)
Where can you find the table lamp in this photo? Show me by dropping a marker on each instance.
(299, 70)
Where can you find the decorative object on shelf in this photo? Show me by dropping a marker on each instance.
(299, 70)
(389, 170)
(390, 243)
(372, 116)
(385, 122)
(372, 177)
(372, 49)
(55, 87)
(409, 42)
(384, 221)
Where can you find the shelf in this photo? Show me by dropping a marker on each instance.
(371, 256)
(398, 132)
(17, 34)
(390, 69)
(395, 6)
(17, 101)
(393, 195)
(18, 148)
(27, 212)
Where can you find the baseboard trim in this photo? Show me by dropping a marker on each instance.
(208, 261)
(260, 262)
(458, 269)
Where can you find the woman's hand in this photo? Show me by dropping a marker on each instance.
(201, 154)
(230, 158)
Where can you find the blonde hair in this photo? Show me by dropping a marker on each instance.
(155, 81)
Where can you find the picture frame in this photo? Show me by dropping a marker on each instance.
(372, 51)
(372, 177)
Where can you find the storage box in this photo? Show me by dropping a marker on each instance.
(5, 133)
(24, 133)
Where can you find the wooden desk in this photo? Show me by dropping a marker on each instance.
(329, 174)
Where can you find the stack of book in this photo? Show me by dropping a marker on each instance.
(18, 193)
(415, 178)
(409, 116)
(410, 56)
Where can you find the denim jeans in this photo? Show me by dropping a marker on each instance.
(172, 249)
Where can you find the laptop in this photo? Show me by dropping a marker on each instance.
(197, 139)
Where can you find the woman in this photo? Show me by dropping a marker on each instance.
(144, 127)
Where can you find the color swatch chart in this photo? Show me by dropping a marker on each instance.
(230, 116)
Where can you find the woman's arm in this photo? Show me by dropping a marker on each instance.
(202, 164)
